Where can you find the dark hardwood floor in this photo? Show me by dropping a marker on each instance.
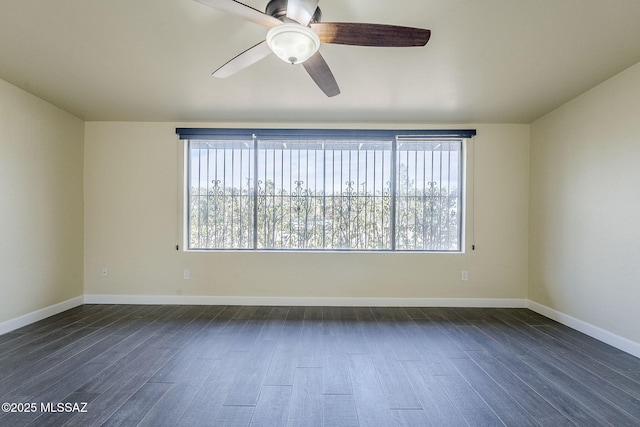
(311, 366)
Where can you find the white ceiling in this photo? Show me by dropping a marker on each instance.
(501, 61)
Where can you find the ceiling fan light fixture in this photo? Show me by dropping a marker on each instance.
(293, 43)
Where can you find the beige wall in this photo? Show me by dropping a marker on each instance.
(41, 206)
(585, 204)
(132, 202)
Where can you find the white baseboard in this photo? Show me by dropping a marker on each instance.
(43, 313)
(600, 334)
(305, 301)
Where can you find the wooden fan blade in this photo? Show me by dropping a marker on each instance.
(321, 74)
(360, 34)
(245, 59)
(301, 11)
(243, 11)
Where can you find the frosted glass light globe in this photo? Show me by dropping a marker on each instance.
(293, 43)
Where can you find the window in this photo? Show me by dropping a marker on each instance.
(324, 190)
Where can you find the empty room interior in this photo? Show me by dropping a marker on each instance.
(301, 213)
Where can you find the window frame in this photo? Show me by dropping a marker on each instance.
(235, 134)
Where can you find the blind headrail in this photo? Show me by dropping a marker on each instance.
(249, 134)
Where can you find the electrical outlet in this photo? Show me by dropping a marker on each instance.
(104, 272)
(464, 276)
(186, 274)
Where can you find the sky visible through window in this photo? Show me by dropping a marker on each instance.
(324, 165)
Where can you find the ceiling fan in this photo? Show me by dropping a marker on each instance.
(295, 33)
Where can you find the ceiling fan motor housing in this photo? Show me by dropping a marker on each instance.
(278, 9)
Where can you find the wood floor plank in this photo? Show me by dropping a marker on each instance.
(503, 405)
(436, 339)
(233, 416)
(395, 335)
(172, 406)
(586, 367)
(128, 365)
(469, 404)
(577, 342)
(175, 370)
(68, 385)
(216, 339)
(333, 366)
(272, 408)
(10, 339)
(415, 313)
(43, 347)
(39, 368)
(335, 333)
(545, 414)
(58, 371)
(209, 399)
(74, 316)
(109, 401)
(455, 330)
(138, 405)
(331, 332)
(272, 329)
(310, 346)
(245, 312)
(292, 327)
(248, 383)
(565, 404)
(371, 405)
(22, 375)
(575, 377)
(618, 360)
(587, 396)
(410, 417)
(397, 388)
(251, 330)
(282, 365)
(335, 374)
(523, 316)
(437, 406)
(352, 339)
(119, 323)
(306, 404)
(340, 411)
(306, 398)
